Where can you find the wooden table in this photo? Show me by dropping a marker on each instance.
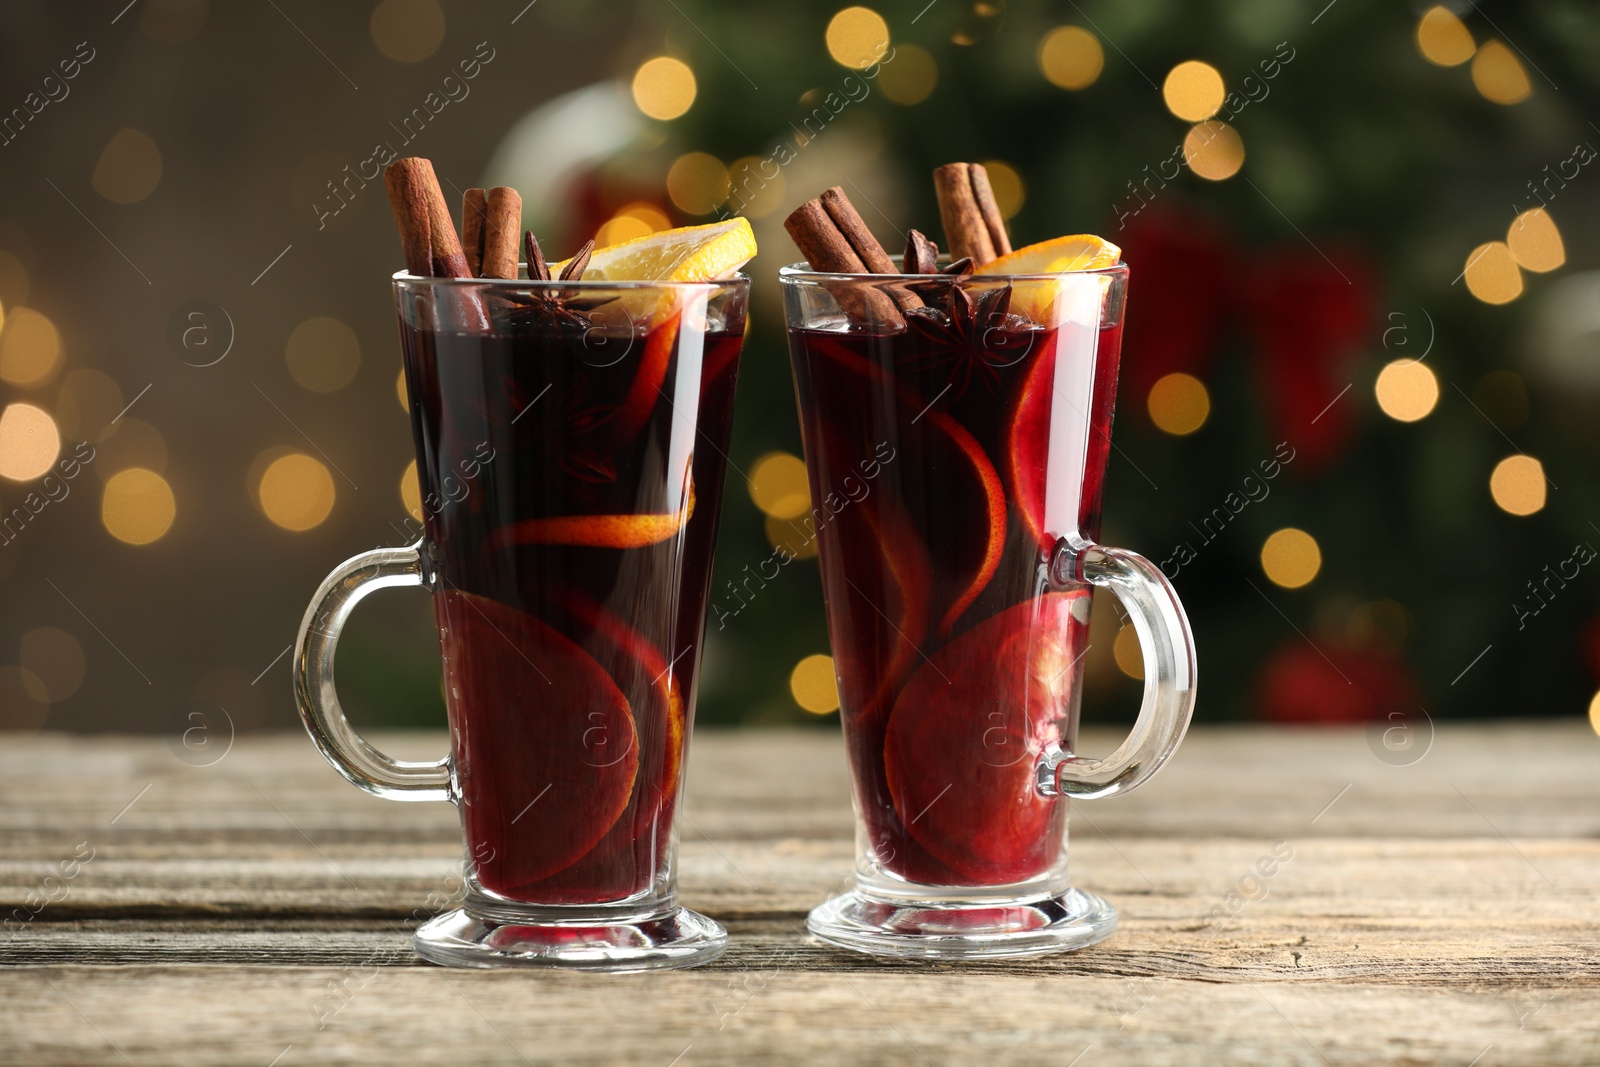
(253, 909)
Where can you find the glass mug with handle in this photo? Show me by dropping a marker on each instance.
(956, 433)
(570, 441)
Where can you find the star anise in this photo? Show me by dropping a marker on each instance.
(559, 308)
(972, 336)
(580, 425)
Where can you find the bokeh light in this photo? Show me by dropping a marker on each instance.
(1517, 485)
(296, 492)
(1193, 90)
(912, 77)
(1291, 558)
(1128, 653)
(638, 219)
(55, 658)
(400, 391)
(323, 354)
(22, 709)
(411, 491)
(407, 30)
(1009, 192)
(30, 348)
(1594, 713)
(1492, 274)
(778, 485)
(794, 536)
(1535, 242)
(138, 506)
(1179, 404)
(857, 37)
(697, 183)
(29, 442)
(752, 191)
(1213, 150)
(1499, 76)
(1407, 390)
(1444, 39)
(14, 285)
(1071, 57)
(129, 168)
(813, 685)
(1380, 625)
(132, 443)
(663, 87)
(87, 403)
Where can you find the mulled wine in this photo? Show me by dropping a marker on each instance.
(571, 469)
(953, 653)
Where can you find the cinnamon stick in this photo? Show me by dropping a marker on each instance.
(474, 219)
(828, 246)
(854, 230)
(502, 223)
(820, 241)
(972, 223)
(983, 193)
(427, 236)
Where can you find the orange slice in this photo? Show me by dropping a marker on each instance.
(546, 739)
(686, 254)
(965, 737)
(597, 531)
(1040, 299)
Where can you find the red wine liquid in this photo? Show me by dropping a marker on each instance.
(571, 483)
(946, 462)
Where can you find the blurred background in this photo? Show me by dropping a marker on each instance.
(1366, 259)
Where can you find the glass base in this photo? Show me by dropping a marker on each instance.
(680, 938)
(927, 930)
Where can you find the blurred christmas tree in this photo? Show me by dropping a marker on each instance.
(1362, 359)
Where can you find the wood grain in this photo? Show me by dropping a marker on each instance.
(259, 907)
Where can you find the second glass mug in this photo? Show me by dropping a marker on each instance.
(569, 521)
(956, 434)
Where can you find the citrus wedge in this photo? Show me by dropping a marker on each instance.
(597, 531)
(1082, 251)
(1040, 300)
(687, 254)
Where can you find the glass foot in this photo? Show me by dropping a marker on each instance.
(926, 930)
(681, 938)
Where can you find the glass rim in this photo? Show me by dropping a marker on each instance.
(739, 280)
(803, 271)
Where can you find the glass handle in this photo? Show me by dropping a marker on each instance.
(350, 754)
(1169, 672)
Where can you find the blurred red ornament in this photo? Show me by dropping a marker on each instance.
(1309, 315)
(1589, 646)
(1329, 684)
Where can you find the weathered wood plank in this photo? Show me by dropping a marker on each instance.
(1434, 912)
(250, 1015)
